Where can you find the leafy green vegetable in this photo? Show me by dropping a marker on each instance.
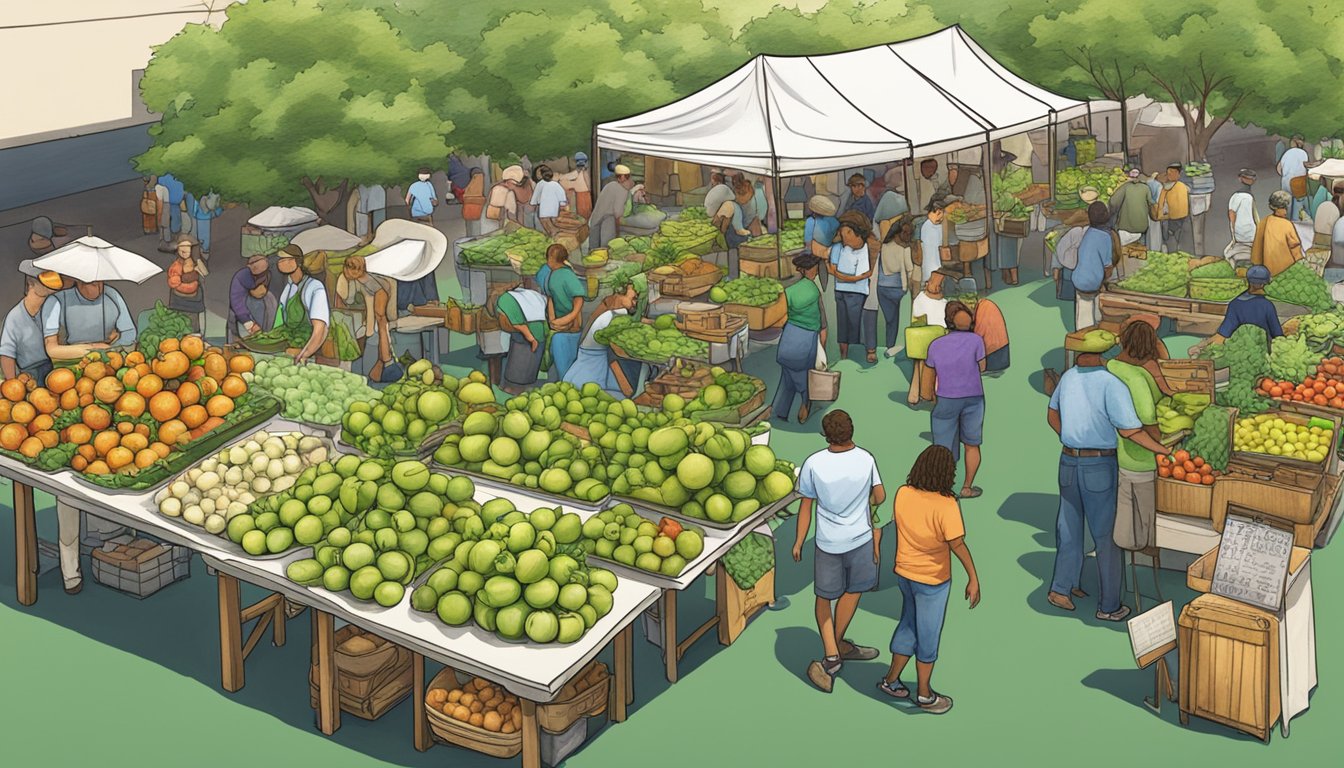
(1299, 285)
(750, 559)
(1212, 438)
(164, 323)
(1292, 359)
(1244, 355)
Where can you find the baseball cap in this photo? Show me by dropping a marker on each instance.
(1258, 275)
(1135, 172)
(44, 276)
(621, 170)
(1246, 173)
(581, 158)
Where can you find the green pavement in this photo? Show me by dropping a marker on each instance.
(105, 679)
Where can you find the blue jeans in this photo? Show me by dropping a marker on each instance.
(958, 421)
(889, 300)
(1087, 492)
(203, 234)
(796, 353)
(923, 608)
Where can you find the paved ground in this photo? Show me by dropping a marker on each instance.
(105, 679)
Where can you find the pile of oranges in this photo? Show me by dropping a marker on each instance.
(1186, 468)
(102, 404)
(1326, 388)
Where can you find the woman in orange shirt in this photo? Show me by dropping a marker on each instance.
(929, 530)
(185, 292)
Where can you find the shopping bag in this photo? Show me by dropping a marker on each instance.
(822, 385)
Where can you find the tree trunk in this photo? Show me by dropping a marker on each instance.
(1124, 128)
(329, 202)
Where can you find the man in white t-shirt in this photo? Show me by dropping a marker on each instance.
(842, 487)
(1242, 218)
(1293, 175)
(931, 303)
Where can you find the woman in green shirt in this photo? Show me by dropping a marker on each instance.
(797, 350)
(522, 315)
(1136, 498)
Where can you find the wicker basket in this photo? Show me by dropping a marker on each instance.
(558, 716)
(464, 734)
(364, 664)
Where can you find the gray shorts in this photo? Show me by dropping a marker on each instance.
(850, 573)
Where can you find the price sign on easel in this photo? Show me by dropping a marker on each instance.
(1152, 635)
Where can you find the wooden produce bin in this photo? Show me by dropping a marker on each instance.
(1182, 499)
(771, 268)
(1301, 416)
(685, 287)
(1229, 660)
(1297, 498)
(761, 318)
(584, 696)
(972, 250)
(458, 733)
(1199, 576)
(739, 605)
(370, 681)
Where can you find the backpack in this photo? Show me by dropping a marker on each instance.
(149, 203)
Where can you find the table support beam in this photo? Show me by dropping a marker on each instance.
(531, 734)
(230, 634)
(328, 696)
(667, 612)
(422, 738)
(622, 688)
(25, 543)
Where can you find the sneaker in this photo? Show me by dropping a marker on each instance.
(896, 690)
(821, 676)
(857, 652)
(894, 351)
(76, 589)
(1060, 601)
(1118, 615)
(937, 705)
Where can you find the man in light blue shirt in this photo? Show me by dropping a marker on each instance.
(1089, 407)
(1293, 166)
(1096, 256)
(842, 486)
(931, 246)
(422, 198)
(91, 316)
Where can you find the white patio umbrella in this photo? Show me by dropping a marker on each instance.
(91, 259)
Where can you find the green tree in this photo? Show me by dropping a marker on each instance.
(291, 96)
(839, 25)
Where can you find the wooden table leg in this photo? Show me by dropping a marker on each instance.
(668, 613)
(423, 740)
(278, 628)
(721, 602)
(620, 677)
(328, 696)
(25, 544)
(629, 639)
(531, 734)
(230, 634)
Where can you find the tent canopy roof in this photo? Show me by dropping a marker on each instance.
(798, 115)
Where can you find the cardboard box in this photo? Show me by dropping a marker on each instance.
(1177, 497)
(1229, 664)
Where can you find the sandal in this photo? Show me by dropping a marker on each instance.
(938, 705)
(872, 356)
(899, 691)
(970, 493)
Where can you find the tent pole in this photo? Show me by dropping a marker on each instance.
(986, 168)
(594, 172)
(1053, 149)
(779, 218)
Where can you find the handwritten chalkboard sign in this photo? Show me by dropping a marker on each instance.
(1252, 563)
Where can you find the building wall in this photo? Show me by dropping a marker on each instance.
(60, 167)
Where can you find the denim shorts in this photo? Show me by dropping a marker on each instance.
(923, 608)
(958, 421)
(850, 573)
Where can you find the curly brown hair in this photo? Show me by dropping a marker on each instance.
(837, 427)
(935, 471)
(1139, 341)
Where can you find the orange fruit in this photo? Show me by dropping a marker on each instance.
(216, 367)
(28, 383)
(171, 365)
(107, 390)
(141, 429)
(240, 363)
(194, 416)
(96, 417)
(43, 400)
(84, 385)
(135, 442)
(85, 400)
(60, 379)
(12, 436)
(208, 385)
(145, 457)
(131, 404)
(41, 422)
(171, 431)
(193, 347)
(13, 390)
(188, 393)
(219, 405)
(97, 468)
(169, 345)
(195, 372)
(49, 438)
(69, 400)
(78, 463)
(86, 450)
(125, 428)
(233, 386)
(135, 358)
(5, 407)
(130, 379)
(160, 448)
(105, 441)
(30, 447)
(115, 359)
(79, 434)
(119, 457)
(149, 385)
(96, 371)
(164, 406)
(22, 413)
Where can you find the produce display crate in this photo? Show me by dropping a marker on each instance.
(489, 481)
(761, 318)
(759, 254)
(1229, 664)
(740, 605)
(141, 567)
(1034, 194)
(387, 690)
(1301, 418)
(735, 414)
(466, 735)
(700, 317)
(744, 422)
(1182, 499)
(1305, 507)
(772, 269)
(658, 510)
(1188, 375)
(585, 701)
(672, 382)
(1007, 227)
(258, 410)
(459, 320)
(683, 287)
(361, 665)
(1199, 575)
(972, 250)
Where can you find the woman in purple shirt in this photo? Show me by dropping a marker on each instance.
(954, 365)
(251, 304)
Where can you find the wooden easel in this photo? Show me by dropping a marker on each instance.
(1156, 638)
(1162, 682)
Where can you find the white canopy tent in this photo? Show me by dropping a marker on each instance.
(92, 259)
(800, 115)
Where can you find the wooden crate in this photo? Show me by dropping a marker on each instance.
(672, 382)
(382, 655)
(697, 316)
(757, 254)
(462, 321)
(1301, 416)
(577, 700)
(1176, 497)
(772, 268)
(1229, 661)
(1307, 510)
(1007, 227)
(1188, 375)
(973, 250)
(737, 606)
(380, 693)
(683, 287)
(464, 734)
(1199, 575)
(760, 318)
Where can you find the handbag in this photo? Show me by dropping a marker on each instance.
(823, 385)
(1298, 186)
(149, 204)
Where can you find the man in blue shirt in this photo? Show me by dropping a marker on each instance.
(1089, 406)
(1096, 257)
(858, 197)
(422, 198)
(819, 230)
(1251, 307)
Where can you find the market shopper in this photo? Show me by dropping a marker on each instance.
(473, 201)
(1327, 215)
(1242, 218)
(1098, 252)
(804, 332)
(421, 197)
(85, 318)
(21, 341)
(502, 205)
(1252, 307)
(929, 530)
(175, 192)
(1277, 245)
(1292, 169)
(610, 207)
(858, 197)
(895, 275)
(371, 209)
(952, 370)
(719, 192)
(203, 211)
(46, 236)
(736, 218)
(931, 304)
(992, 328)
(932, 248)
(929, 183)
(252, 306)
(522, 315)
(1136, 489)
(149, 206)
(1129, 207)
(852, 258)
(593, 364)
(1172, 209)
(819, 230)
(1089, 406)
(304, 296)
(576, 186)
(840, 486)
(564, 310)
(356, 288)
(186, 292)
(550, 199)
